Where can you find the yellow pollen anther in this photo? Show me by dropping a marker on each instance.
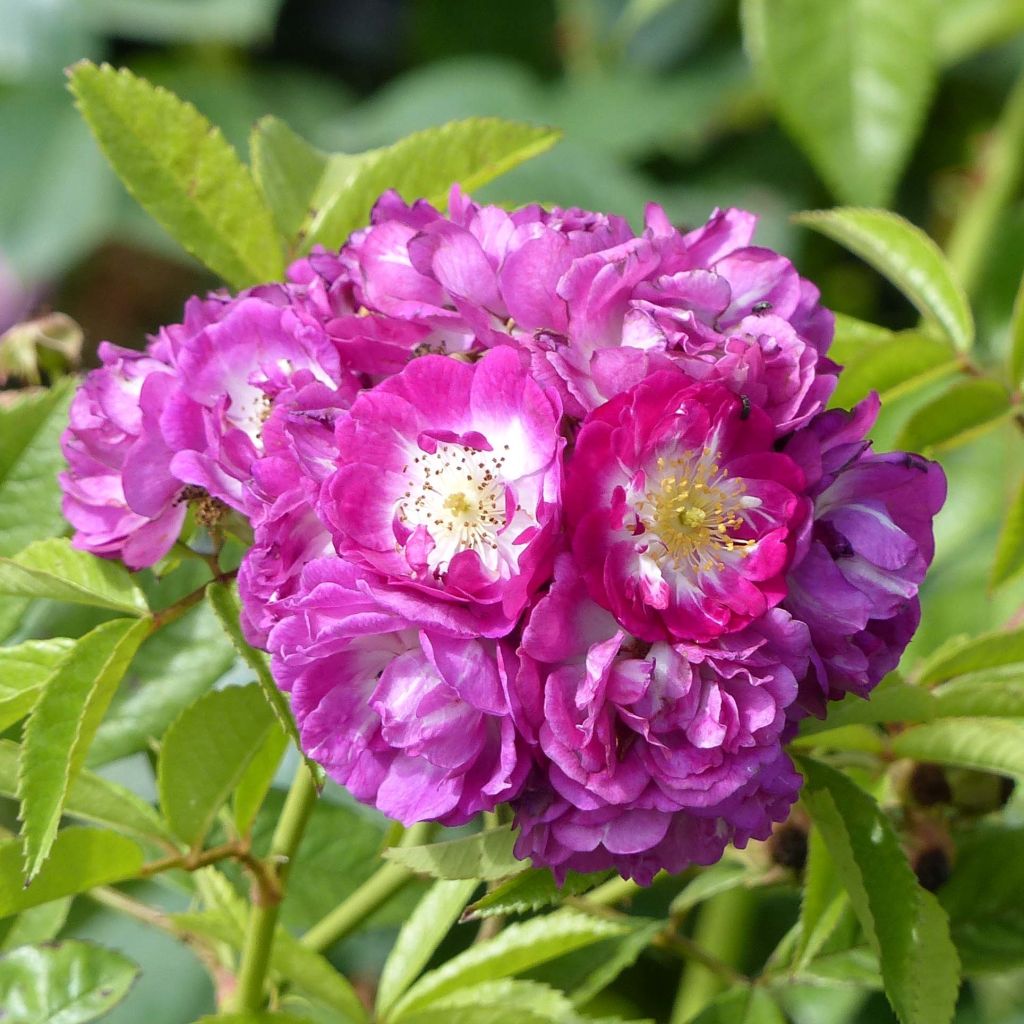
(692, 511)
(692, 516)
(457, 504)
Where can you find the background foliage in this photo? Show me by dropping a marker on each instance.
(145, 758)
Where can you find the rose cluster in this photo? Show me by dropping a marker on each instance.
(545, 513)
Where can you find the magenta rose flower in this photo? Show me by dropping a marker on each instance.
(415, 721)
(477, 278)
(238, 357)
(708, 302)
(650, 757)
(682, 516)
(105, 425)
(449, 482)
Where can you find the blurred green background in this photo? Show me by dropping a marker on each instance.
(657, 101)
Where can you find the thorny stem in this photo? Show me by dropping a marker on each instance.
(175, 611)
(268, 890)
(373, 893)
(195, 859)
(718, 939)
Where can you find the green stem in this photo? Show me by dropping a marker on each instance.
(719, 937)
(611, 892)
(373, 893)
(999, 175)
(259, 936)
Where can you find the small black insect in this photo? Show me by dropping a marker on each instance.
(744, 407)
(761, 307)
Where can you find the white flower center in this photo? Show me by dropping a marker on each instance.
(458, 495)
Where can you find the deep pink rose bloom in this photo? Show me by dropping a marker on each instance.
(650, 757)
(871, 544)
(682, 517)
(105, 425)
(449, 481)
(415, 721)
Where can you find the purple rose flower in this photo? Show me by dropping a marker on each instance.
(870, 546)
(650, 757)
(106, 424)
(682, 517)
(415, 721)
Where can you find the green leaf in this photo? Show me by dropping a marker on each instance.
(420, 936)
(853, 335)
(843, 737)
(821, 903)
(991, 650)
(81, 859)
(174, 667)
(851, 81)
(95, 800)
(968, 26)
(257, 779)
(513, 950)
(903, 922)
(54, 569)
(982, 898)
(850, 968)
(986, 744)
(62, 726)
(531, 890)
(324, 197)
(37, 924)
(62, 983)
(288, 171)
(30, 459)
(23, 671)
(909, 362)
(720, 877)
(742, 1006)
(610, 958)
(892, 700)
(1009, 558)
(485, 856)
(485, 1014)
(965, 411)
(905, 255)
(180, 168)
(527, 996)
(205, 754)
(226, 607)
(980, 697)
